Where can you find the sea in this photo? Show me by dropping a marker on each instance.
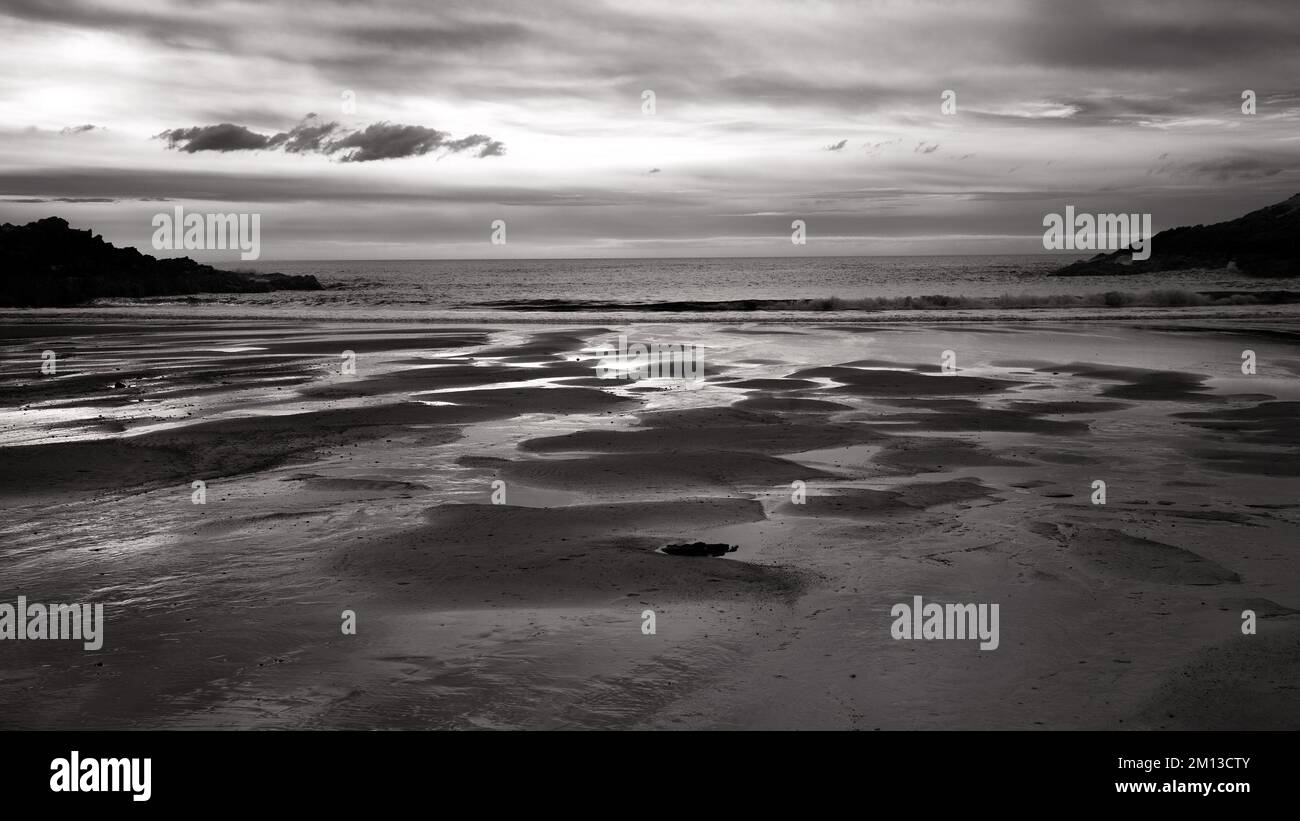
(680, 289)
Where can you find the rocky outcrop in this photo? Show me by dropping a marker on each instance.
(48, 263)
(1263, 243)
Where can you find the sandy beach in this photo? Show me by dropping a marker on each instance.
(380, 492)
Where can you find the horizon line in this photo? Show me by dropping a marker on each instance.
(703, 256)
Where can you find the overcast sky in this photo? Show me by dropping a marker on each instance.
(434, 119)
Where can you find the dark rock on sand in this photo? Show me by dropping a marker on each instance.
(699, 549)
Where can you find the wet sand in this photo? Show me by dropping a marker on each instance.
(494, 516)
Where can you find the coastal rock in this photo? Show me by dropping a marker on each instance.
(1263, 243)
(699, 549)
(48, 263)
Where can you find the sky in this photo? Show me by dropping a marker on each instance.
(403, 130)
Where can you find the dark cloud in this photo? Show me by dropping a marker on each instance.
(387, 141)
(80, 129)
(309, 135)
(220, 137)
(377, 141)
(839, 146)
(486, 146)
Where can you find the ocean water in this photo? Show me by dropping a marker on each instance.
(473, 290)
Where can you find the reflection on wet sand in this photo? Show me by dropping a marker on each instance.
(373, 492)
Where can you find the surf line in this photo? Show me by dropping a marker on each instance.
(951, 621)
